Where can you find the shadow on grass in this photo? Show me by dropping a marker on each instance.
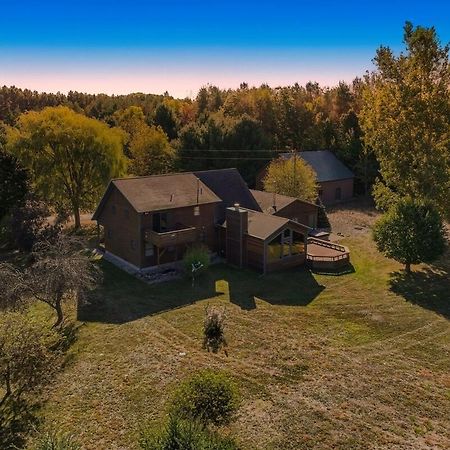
(348, 269)
(428, 288)
(17, 419)
(123, 298)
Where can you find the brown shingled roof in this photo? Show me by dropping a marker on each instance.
(266, 201)
(161, 192)
(262, 226)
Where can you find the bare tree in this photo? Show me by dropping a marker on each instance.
(62, 270)
(25, 359)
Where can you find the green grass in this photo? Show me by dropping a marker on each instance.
(323, 362)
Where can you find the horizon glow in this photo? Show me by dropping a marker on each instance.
(176, 46)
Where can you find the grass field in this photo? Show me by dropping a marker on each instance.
(360, 361)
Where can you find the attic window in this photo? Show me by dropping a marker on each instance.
(196, 210)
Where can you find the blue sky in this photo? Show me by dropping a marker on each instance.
(153, 46)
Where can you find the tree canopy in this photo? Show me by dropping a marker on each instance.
(406, 117)
(70, 157)
(292, 177)
(411, 232)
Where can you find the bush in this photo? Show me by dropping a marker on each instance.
(56, 441)
(196, 255)
(181, 434)
(213, 330)
(208, 396)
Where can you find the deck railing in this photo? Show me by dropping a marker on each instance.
(345, 253)
(174, 237)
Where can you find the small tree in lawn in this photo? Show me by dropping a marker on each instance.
(213, 329)
(410, 232)
(61, 271)
(196, 260)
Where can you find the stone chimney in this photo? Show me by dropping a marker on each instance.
(237, 227)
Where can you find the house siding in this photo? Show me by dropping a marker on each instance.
(303, 213)
(121, 224)
(328, 194)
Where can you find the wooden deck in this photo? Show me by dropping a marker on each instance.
(326, 255)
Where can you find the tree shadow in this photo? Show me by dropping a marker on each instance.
(17, 418)
(428, 288)
(123, 298)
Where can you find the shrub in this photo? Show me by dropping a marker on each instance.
(182, 434)
(213, 329)
(196, 256)
(56, 441)
(208, 396)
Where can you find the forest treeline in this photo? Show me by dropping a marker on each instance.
(243, 128)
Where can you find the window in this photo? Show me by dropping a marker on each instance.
(338, 194)
(312, 220)
(275, 249)
(287, 243)
(149, 249)
(196, 210)
(113, 209)
(298, 243)
(160, 222)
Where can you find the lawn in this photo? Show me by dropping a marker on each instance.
(356, 361)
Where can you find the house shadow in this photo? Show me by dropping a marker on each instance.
(428, 288)
(123, 298)
(295, 287)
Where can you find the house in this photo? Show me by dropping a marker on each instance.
(334, 178)
(150, 221)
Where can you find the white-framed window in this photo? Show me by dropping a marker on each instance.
(196, 210)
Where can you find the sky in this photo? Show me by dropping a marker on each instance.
(118, 47)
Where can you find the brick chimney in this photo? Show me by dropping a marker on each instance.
(237, 227)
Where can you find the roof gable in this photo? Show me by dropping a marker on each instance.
(325, 163)
(263, 226)
(230, 187)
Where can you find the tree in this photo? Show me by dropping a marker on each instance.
(13, 183)
(406, 117)
(61, 271)
(292, 177)
(70, 157)
(30, 224)
(165, 118)
(151, 152)
(25, 359)
(411, 232)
